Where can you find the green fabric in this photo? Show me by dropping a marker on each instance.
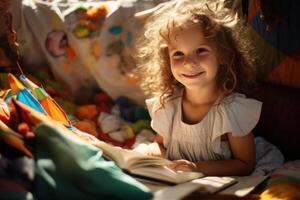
(69, 168)
(40, 93)
(15, 195)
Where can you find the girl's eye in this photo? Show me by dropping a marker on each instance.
(201, 50)
(178, 54)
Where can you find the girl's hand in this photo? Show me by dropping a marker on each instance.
(182, 165)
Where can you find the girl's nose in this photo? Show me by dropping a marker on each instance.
(190, 61)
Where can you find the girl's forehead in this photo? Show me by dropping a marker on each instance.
(192, 34)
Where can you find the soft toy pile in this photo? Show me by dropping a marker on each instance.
(121, 122)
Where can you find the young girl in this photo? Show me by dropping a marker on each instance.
(196, 65)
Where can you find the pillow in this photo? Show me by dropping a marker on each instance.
(86, 44)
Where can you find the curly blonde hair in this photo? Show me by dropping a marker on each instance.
(219, 25)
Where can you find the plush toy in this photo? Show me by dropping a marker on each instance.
(123, 102)
(119, 136)
(108, 122)
(146, 136)
(127, 144)
(139, 125)
(88, 111)
(131, 112)
(115, 110)
(103, 102)
(102, 97)
(128, 114)
(128, 131)
(87, 126)
(24, 129)
(141, 113)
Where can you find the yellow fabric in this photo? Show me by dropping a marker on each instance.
(15, 84)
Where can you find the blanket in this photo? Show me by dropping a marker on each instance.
(268, 157)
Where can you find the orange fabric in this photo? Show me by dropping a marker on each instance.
(4, 115)
(18, 144)
(253, 10)
(10, 137)
(55, 111)
(287, 72)
(286, 69)
(33, 118)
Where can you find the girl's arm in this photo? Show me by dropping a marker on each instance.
(242, 162)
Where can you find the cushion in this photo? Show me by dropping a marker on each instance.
(280, 117)
(278, 48)
(86, 44)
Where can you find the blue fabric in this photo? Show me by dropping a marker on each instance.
(28, 99)
(286, 35)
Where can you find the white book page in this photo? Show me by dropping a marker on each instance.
(245, 185)
(206, 185)
(165, 174)
(128, 159)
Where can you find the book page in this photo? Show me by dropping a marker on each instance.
(111, 153)
(206, 185)
(165, 174)
(146, 161)
(245, 185)
(147, 166)
(128, 159)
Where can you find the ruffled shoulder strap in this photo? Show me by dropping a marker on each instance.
(237, 114)
(161, 117)
(153, 104)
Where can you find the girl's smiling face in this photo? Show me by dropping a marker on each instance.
(193, 58)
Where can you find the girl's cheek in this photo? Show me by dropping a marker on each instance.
(177, 62)
(202, 58)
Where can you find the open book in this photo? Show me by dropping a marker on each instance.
(142, 166)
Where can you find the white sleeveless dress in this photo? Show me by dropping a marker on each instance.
(202, 141)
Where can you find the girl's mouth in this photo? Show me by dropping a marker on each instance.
(195, 75)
